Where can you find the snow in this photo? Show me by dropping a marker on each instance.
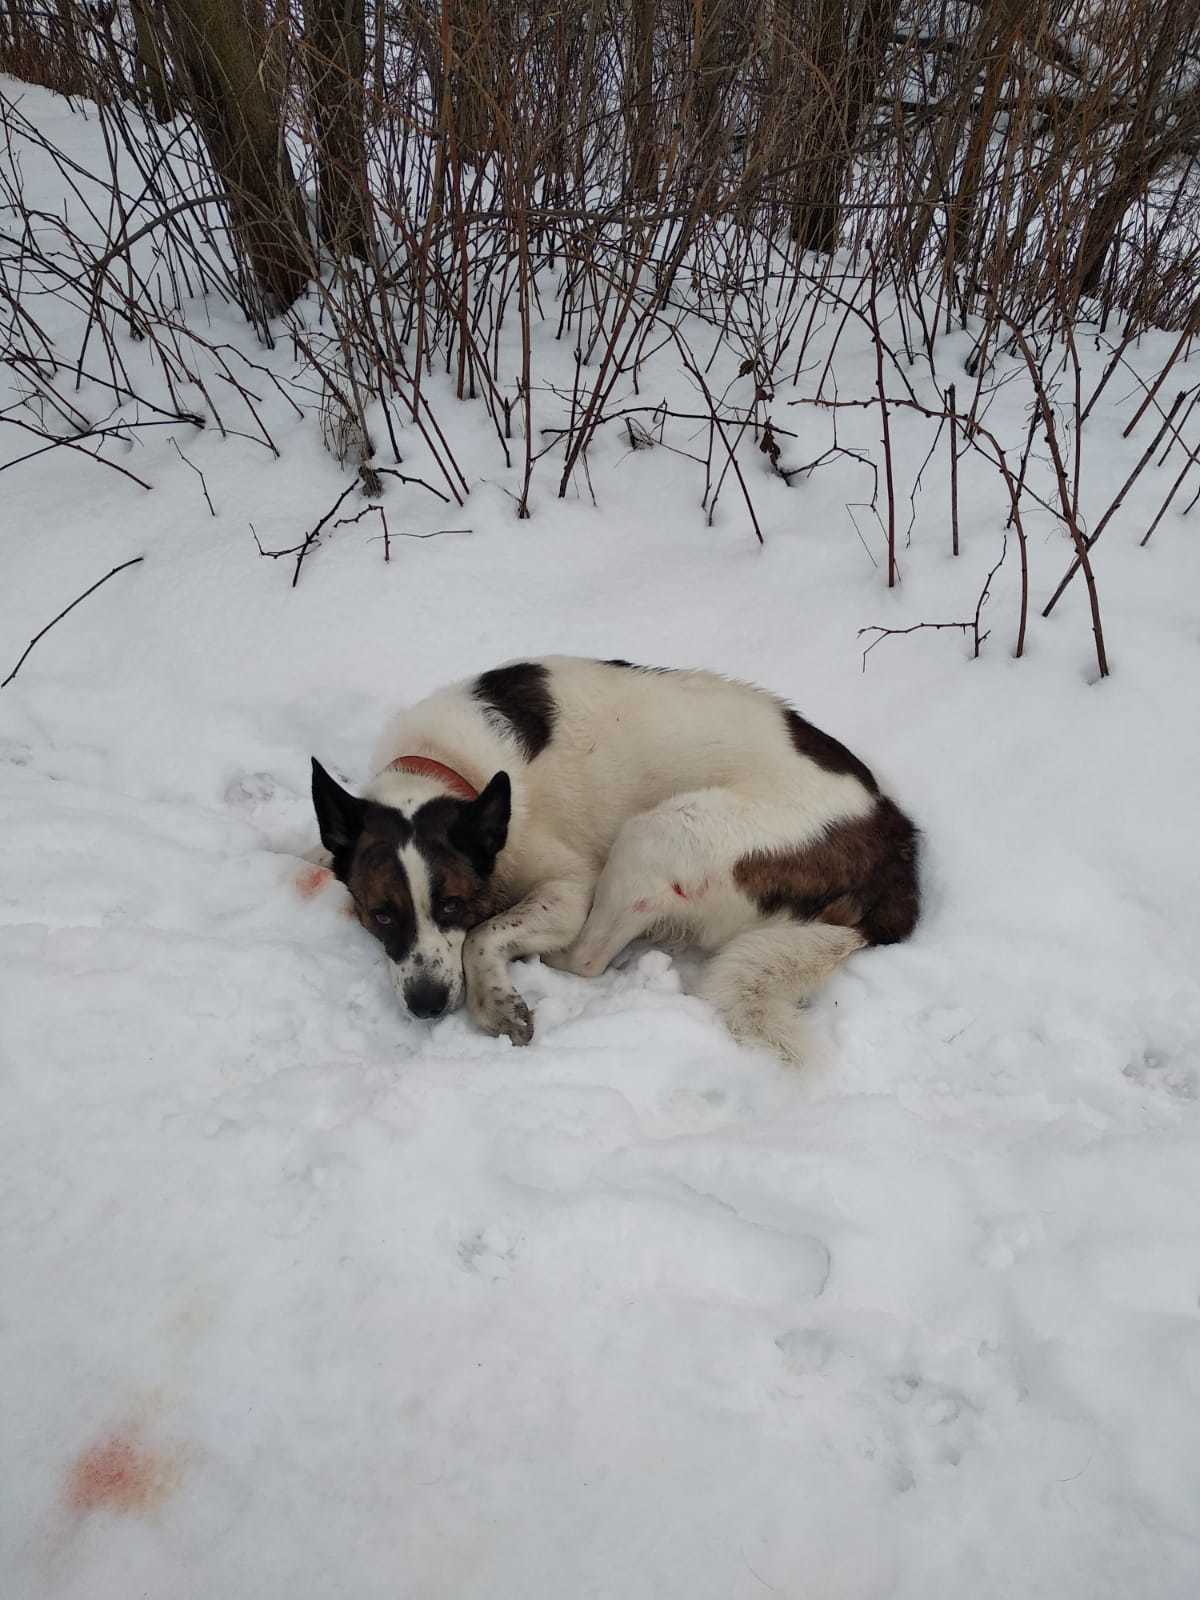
(304, 1298)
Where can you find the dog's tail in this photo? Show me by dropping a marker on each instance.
(760, 979)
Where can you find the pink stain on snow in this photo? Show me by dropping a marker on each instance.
(311, 880)
(120, 1473)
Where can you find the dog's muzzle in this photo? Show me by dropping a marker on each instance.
(426, 997)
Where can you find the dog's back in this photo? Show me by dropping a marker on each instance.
(589, 743)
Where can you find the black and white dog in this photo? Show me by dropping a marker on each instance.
(565, 807)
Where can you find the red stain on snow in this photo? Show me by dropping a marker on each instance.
(311, 880)
(120, 1473)
(679, 890)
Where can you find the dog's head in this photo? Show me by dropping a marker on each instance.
(420, 875)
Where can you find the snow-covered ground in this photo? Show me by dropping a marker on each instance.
(301, 1298)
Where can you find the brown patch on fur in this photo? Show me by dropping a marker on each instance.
(825, 750)
(458, 883)
(120, 1473)
(518, 696)
(861, 875)
(311, 880)
(451, 877)
(377, 874)
(378, 883)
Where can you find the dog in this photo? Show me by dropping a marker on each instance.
(564, 807)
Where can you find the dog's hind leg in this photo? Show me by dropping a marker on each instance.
(618, 917)
(762, 976)
(661, 862)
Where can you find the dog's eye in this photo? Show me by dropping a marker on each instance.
(383, 918)
(449, 908)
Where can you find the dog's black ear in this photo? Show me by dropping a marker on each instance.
(481, 826)
(339, 815)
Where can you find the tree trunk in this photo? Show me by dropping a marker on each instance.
(840, 89)
(775, 136)
(151, 73)
(823, 149)
(68, 35)
(335, 36)
(712, 68)
(472, 72)
(12, 35)
(1139, 156)
(643, 151)
(960, 212)
(984, 56)
(586, 84)
(220, 59)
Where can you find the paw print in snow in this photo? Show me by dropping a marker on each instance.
(14, 753)
(932, 1425)
(488, 1252)
(250, 793)
(1154, 1069)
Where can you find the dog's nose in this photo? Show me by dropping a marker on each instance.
(425, 997)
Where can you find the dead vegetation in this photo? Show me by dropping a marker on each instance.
(415, 186)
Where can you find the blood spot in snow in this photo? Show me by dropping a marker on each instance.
(120, 1473)
(311, 880)
(679, 890)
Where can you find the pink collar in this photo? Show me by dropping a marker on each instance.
(426, 767)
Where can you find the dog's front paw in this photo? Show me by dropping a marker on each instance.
(502, 1011)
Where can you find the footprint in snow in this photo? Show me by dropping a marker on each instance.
(930, 1426)
(1154, 1069)
(488, 1252)
(251, 792)
(14, 753)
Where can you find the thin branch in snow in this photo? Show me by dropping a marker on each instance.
(199, 474)
(66, 609)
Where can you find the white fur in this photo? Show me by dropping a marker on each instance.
(651, 780)
(436, 952)
(756, 981)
